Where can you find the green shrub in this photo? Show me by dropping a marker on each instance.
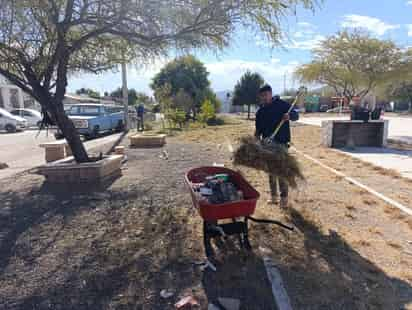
(176, 117)
(207, 113)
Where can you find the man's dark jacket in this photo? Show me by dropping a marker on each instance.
(268, 118)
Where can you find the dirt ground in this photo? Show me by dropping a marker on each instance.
(118, 246)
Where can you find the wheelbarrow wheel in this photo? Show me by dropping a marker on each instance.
(246, 236)
(206, 240)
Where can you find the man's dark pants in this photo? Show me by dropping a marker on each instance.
(140, 122)
(274, 181)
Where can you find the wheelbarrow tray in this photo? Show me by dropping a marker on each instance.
(230, 210)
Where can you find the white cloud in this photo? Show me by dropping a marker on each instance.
(372, 24)
(409, 2)
(409, 26)
(303, 36)
(305, 44)
(223, 75)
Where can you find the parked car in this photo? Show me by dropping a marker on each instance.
(10, 122)
(91, 120)
(33, 117)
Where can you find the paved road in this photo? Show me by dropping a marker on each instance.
(21, 151)
(400, 128)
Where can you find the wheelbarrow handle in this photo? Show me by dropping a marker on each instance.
(271, 222)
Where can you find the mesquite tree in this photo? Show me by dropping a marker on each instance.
(43, 41)
(355, 63)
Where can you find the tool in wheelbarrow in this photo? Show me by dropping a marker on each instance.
(240, 211)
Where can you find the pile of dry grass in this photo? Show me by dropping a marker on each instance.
(273, 159)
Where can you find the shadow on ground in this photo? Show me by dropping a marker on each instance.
(338, 276)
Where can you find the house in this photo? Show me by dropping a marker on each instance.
(12, 97)
(70, 99)
(225, 97)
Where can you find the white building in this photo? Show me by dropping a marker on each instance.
(12, 97)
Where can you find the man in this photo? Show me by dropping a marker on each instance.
(140, 114)
(268, 117)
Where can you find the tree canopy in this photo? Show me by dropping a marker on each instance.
(134, 97)
(88, 92)
(247, 90)
(354, 63)
(184, 74)
(42, 42)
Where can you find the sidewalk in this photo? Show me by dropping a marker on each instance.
(398, 160)
(400, 130)
(36, 156)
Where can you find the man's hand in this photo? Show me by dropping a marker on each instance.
(286, 117)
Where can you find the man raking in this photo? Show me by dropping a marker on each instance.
(274, 115)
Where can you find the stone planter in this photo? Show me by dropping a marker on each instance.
(147, 140)
(341, 133)
(68, 171)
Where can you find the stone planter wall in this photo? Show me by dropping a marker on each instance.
(67, 171)
(146, 140)
(339, 134)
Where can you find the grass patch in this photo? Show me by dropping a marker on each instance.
(350, 215)
(350, 207)
(375, 230)
(394, 244)
(369, 202)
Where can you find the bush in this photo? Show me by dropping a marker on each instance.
(176, 117)
(207, 112)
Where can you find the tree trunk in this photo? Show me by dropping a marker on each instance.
(70, 133)
(248, 111)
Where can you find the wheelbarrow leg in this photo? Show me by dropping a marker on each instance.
(206, 240)
(246, 236)
(240, 238)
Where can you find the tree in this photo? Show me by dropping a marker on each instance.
(186, 74)
(144, 99)
(401, 90)
(207, 112)
(182, 101)
(131, 95)
(88, 92)
(247, 90)
(42, 42)
(354, 63)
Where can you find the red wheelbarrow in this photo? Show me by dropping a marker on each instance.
(238, 211)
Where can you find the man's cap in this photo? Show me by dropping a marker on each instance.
(265, 88)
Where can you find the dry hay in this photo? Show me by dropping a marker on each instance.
(272, 159)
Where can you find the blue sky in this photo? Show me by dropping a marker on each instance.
(389, 19)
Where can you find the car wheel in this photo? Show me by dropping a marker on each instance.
(10, 128)
(120, 126)
(96, 131)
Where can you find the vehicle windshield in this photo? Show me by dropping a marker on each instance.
(84, 110)
(6, 113)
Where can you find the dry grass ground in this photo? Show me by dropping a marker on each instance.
(118, 246)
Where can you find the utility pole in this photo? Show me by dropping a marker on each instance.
(125, 96)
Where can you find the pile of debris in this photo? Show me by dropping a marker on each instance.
(272, 158)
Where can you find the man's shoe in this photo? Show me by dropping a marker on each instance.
(284, 202)
(273, 201)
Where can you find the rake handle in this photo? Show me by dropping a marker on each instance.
(283, 121)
